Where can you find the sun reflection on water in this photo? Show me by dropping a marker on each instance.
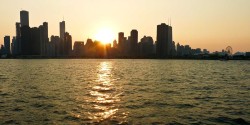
(105, 95)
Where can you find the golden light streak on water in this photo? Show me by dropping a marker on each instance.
(104, 93)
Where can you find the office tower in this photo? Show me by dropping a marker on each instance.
(134, 43)
(18, 29)
(120, 39)
(62, 29)
(14, 47)
(30, 41)
(115, 45)
(67, 44)
(62, 33)
(17, 44)
(173, 50)
(164, 41)
(79, 48)
(24, 18)
(53, 47)
(35, 41)
(187, 50)
(7, 45)
(44, 40)
(25, 41)
(178, 49)
(146, 46)
(2, 50)
(121, 42)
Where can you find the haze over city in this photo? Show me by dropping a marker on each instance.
(213, 25)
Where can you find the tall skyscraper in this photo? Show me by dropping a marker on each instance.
(13, 47)
(62, 29)
(164, 41)
(67, 44)
(24, 18)
(44, 38)
(7, 45)
(120, 38)
(17, 44)
(134, 43)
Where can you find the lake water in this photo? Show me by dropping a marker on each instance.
(90, 91)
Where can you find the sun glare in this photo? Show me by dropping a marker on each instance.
(105, 36)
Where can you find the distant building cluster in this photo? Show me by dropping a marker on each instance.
(34, 42)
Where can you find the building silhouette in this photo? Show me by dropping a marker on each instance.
(54, 46)
(164, 41)
(13, 49)
(24, 18)
(7, 45)
(44, 39)
(146, 46)
(115, 44)
(67, 44)
(78, 49)
(17, 43)
(62, 33)
(62, 29)
(134, 43)
(121, 43)
(34, 41)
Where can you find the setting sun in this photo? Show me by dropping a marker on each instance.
(105, 36)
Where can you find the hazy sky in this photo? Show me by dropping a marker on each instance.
(211, 24)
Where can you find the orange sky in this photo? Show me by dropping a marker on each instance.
(211, 24)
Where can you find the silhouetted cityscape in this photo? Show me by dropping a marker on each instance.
(34, 42)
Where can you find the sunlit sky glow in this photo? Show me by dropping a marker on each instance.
(211, 24)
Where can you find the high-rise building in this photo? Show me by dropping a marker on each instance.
(62, 33)
(122, 44)
(7, 45)
(35, 41)
(79, 48)
(120, 38)
(146, 46)
(53, 49)
(24, 18)
(30, 41)
(67, 44)
(115, 45)
(134, 43)
(17, 44)
(121, 41)
(14, 48)
(62, 29)
(44, 40)
(25, 47)
(164, 41)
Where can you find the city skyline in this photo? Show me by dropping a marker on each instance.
(229, 28)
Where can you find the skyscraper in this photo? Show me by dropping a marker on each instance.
(44, 38)
(146, 46)
(62, 29)
(17, 44)
(121, 43)
(134, 43)
(7, 45)
(164, 41)
(67, 44)
(13, 46)
(24, 18)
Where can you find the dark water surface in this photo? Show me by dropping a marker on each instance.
(124, 92)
